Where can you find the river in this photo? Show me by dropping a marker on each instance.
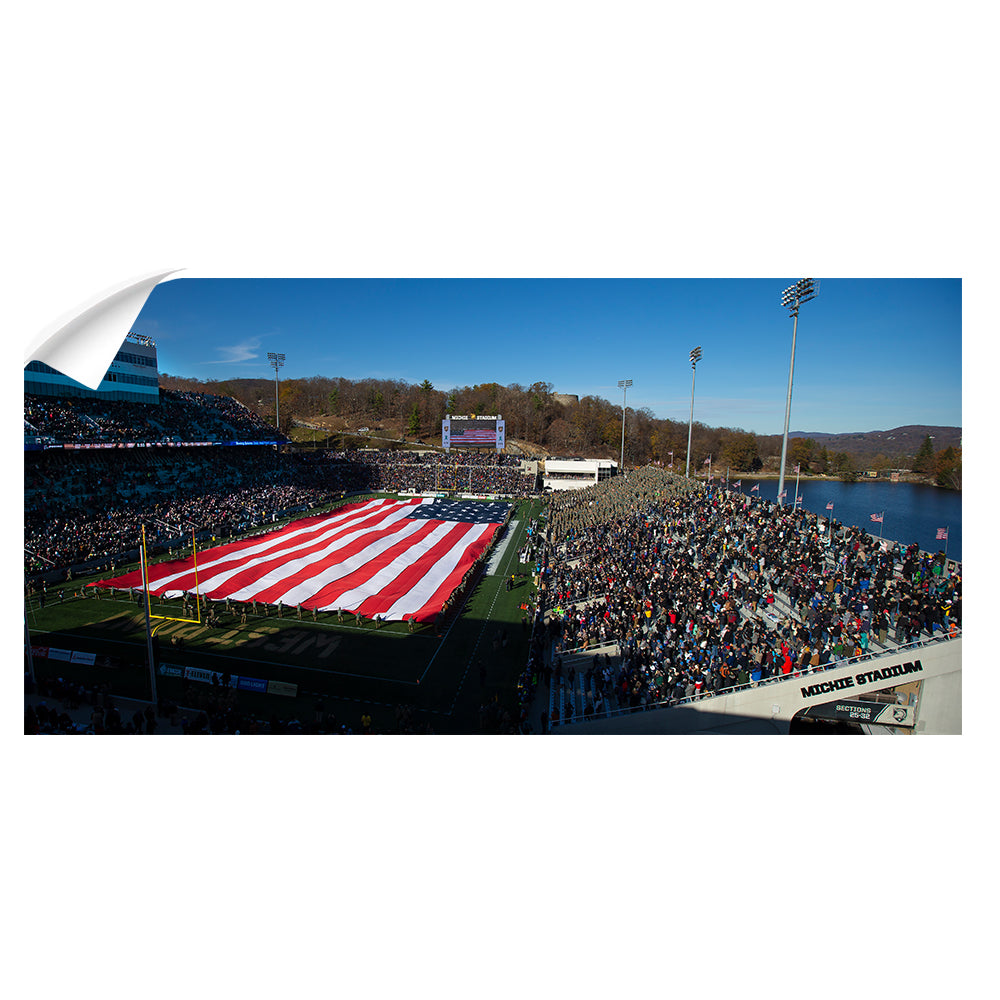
(913, 513)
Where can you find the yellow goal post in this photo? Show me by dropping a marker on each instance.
(145, 583)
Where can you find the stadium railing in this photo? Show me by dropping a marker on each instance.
(796, 673)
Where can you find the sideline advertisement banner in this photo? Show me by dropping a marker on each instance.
(254, 684)
(203, 676)
(207, 676)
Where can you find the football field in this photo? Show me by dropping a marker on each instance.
(443, 670)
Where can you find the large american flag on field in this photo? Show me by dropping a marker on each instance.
(396, 559)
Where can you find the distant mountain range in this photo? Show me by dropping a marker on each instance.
(898, 441)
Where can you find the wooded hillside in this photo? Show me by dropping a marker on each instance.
(590, 427)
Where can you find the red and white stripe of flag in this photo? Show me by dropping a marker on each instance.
(369, 558)
(942, 534)
(877, 518)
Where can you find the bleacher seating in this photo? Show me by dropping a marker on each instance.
(83, 505)
(179, 416)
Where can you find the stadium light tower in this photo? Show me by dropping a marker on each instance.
(791, 298)
(277, 361)
(695, 358)
(623, 384)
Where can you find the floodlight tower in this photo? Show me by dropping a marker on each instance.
(695, 358)
(623, 384)
(277, 361)
(791, 298)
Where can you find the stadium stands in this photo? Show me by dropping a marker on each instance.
(651, 588)
(180, 416)
(697, 590)
(86, 501)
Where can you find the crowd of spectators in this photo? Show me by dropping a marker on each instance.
(57, 420)
(80, 508)
(88, 507)
(455, 471)
(58, 710)
(179, 416)
(60, 706)
(683, 581)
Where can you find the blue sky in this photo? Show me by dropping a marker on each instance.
(870, 354)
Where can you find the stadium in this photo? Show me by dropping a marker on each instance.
(188, 568)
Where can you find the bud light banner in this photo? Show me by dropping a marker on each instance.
(253, 684)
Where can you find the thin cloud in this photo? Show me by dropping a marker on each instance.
(244, 351)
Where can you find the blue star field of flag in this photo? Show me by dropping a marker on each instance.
(468, 511)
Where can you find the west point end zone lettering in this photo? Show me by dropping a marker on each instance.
(868, 677)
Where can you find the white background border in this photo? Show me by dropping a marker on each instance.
(451, 139)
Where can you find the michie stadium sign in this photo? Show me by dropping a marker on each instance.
(868, 677)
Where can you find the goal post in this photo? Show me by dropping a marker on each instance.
(144, 559)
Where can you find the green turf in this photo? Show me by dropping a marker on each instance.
(436, 670)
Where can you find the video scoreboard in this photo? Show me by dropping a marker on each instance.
(473, 432)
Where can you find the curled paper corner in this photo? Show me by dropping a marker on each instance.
(83, 342)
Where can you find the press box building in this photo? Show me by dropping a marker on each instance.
(577, 473)
(132, 376)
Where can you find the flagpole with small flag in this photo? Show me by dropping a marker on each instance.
(942, 533)
(795, 505)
